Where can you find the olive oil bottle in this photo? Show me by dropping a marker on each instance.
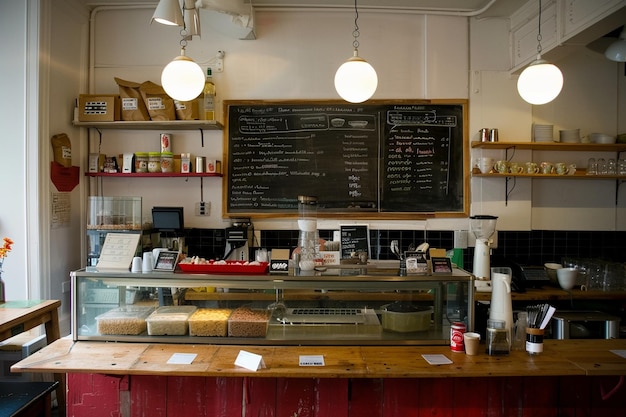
(208, 97)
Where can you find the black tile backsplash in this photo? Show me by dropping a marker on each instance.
(525, 247)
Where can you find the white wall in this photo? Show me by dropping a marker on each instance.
(13, 140)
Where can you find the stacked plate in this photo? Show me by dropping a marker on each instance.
(569, 136)
(543, 133)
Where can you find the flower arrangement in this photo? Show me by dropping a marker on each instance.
(5, 249)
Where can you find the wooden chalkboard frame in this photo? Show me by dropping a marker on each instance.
(459, 211)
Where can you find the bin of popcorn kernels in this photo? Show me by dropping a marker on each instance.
(248, 322)
(170, 320)
(128, 320)
(209, 322)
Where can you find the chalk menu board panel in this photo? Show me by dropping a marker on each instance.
(354, 239)
(375, 160)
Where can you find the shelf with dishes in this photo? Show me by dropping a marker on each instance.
(552, 146)
(580, 174)
(566, 172)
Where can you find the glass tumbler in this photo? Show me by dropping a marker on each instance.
(592, 167)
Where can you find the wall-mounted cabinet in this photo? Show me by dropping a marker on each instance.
(565, 25)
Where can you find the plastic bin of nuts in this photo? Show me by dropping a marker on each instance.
(169, 320)
(128, 320)
(247, 322)
(209, 322)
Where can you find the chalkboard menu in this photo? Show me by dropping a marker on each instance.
(381, 159)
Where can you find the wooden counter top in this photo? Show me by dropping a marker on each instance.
(560, 358)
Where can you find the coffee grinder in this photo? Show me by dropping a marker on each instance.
(483, 227)
(238, 237)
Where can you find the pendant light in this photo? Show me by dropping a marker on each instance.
(182, 79)
(168, 13)
(617, 50)
(541, 82)
(356, 79)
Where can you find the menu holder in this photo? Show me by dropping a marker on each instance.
(118, 251)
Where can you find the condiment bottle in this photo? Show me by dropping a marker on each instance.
(208, 97)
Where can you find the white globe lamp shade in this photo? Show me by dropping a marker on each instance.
(617, 51)
(182, 79)
(540, 83)
(356, 80)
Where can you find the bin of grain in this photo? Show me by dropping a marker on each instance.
(169, 320)
(129, 320)
(247, 322)
(209, 322)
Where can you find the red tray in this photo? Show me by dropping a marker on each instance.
(231, 267)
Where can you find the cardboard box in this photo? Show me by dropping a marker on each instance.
(98, 108)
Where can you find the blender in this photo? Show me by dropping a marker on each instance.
(483, 227)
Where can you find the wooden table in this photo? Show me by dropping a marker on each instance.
(20, 316)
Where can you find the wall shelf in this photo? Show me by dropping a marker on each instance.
(152, 174)
(580, 174)
(552, 146)
(153, 125)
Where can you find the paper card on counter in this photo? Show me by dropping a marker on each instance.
(312, 360)
(620, 352)
(437, 359)
(250, 361)
(182, 358)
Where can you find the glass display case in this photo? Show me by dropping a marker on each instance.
(345, 306)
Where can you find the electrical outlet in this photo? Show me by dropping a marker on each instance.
(65, 287)
(203, 208)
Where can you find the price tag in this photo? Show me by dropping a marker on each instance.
(312, 360)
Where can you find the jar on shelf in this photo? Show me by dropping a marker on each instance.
(141, 161)
(167, 162)
(308, 238)
(154, 162)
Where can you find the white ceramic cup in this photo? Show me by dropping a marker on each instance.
(485, 164)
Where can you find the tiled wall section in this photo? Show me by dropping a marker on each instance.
(527, 247)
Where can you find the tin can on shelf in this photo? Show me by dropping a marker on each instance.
(166, 142)
(200, 164)
(456, 336)
(185, 163)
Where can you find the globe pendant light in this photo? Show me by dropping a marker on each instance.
(356, 79)
(617, 50)
(182, 79)
(540, 82)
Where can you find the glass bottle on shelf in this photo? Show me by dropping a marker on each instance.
(208, 97)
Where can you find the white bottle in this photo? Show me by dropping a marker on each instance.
(208, 101)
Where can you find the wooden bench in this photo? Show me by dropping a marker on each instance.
(26, 399)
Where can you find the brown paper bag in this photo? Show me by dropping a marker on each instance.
(160, 106)
(133, 107)
(62, 149)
